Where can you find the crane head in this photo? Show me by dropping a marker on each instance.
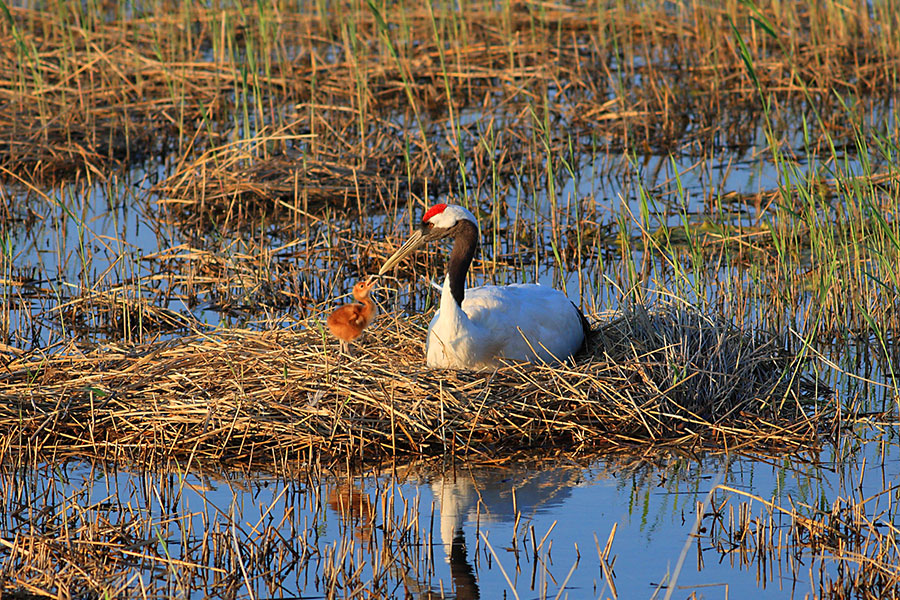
(439, 221)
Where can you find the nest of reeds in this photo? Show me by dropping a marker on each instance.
(697, 366)
(670, 375)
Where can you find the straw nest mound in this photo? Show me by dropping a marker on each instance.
(669, 375)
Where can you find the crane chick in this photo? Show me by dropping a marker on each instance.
(348, 322)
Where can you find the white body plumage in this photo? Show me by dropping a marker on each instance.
(520, 322)
(477, 328)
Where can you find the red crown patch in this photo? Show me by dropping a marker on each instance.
(434, 210)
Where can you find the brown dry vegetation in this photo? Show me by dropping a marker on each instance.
(250, 122)
(270, 115)
(83, 89)
(854, 536)
(283, 397)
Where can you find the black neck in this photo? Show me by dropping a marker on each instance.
(465, 242)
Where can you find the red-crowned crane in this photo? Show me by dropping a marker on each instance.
(475, 328)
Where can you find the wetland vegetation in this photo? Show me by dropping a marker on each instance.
(188, 189)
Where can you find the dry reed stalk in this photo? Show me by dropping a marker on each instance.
(80, 96)
(220, 190)
(851, 544)
(250, 397)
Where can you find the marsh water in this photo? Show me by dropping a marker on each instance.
(642, 522)
(131, 247)
(524, 529)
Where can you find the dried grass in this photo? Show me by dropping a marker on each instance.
(82, 91)
(669, 376)
(230, 187)
(844, 548)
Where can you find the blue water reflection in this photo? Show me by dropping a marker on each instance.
(527, 529)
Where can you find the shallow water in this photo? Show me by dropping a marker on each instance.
(75, 240)
(461, 531)
(527, 529)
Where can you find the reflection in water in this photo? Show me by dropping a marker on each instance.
(484, 496)
(357, 512)
(465, 498)
(527, 530)
(355, 509)
(461, 570)
(498, 495)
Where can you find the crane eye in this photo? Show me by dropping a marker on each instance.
(429, 225)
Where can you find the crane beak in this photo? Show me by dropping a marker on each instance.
(415, 241)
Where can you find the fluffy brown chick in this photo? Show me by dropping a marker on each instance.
(348, 322)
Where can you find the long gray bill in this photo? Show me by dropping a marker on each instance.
(415, 241)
